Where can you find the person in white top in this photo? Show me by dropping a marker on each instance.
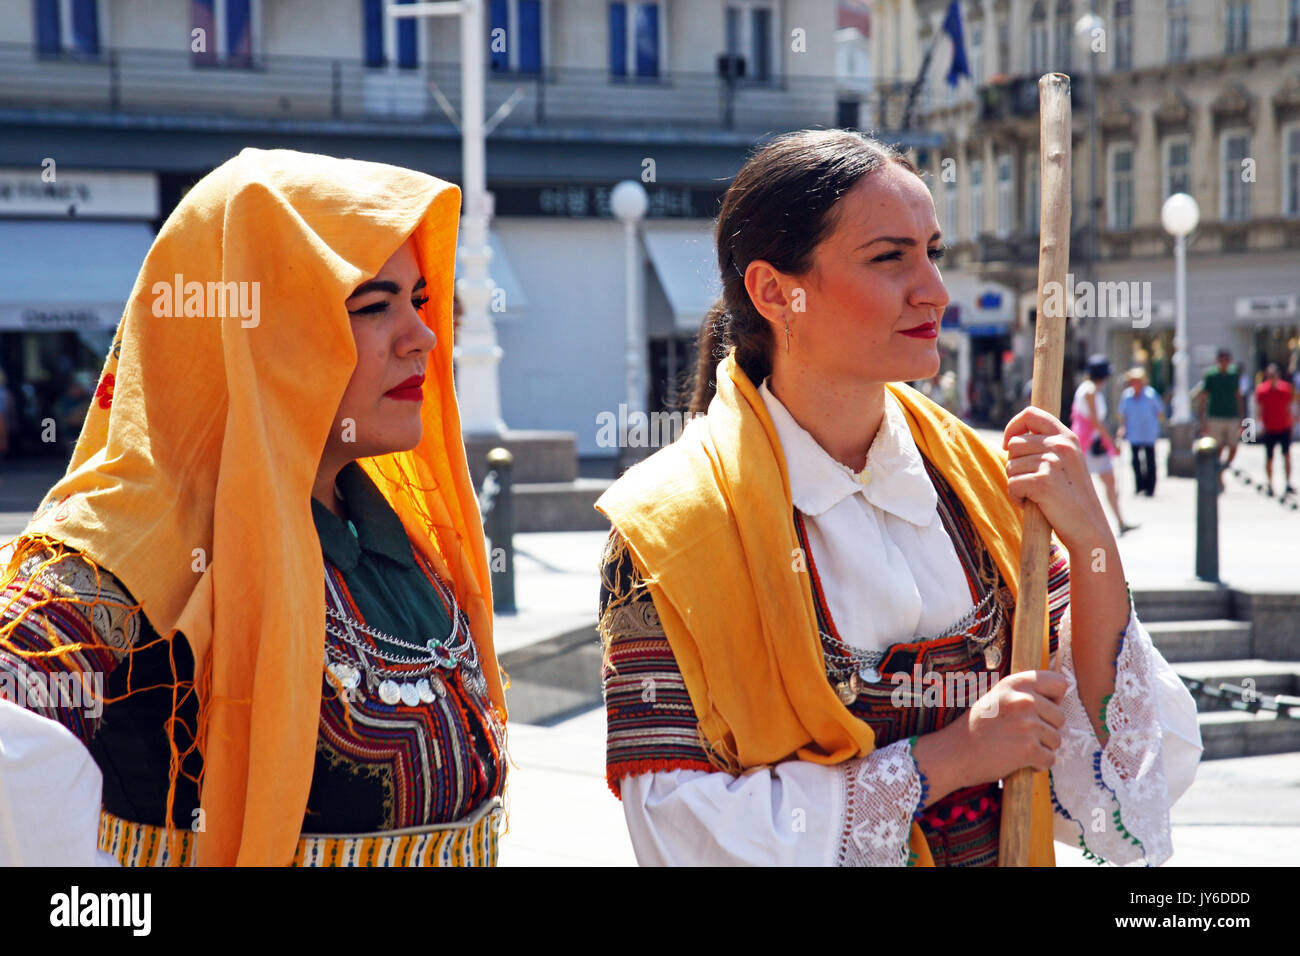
(828, 245)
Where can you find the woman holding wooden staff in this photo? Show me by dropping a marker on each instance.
(807, 599)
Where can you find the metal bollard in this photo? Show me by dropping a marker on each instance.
(1207, 509)
(500, 530)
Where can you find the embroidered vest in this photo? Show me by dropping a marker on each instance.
(922, 686)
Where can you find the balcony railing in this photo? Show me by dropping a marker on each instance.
(1016, 97)
(164, 82)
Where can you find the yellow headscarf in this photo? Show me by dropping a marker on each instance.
(192, 478)
(709, 522)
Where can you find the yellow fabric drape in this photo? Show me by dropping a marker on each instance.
(192, 478)
(709, 521)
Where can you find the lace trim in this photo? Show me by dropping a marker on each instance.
(881, 792)
(1090, 781)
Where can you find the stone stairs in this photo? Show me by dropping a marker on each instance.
(1198, 631)
(548, 494)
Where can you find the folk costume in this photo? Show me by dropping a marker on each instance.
(333, 697)
(779, 630)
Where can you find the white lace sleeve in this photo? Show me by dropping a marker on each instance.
(857, 813)
(881, 793)
(1114, 802)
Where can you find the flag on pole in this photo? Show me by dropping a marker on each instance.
(952, 27)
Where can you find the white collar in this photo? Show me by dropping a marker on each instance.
(894, 478)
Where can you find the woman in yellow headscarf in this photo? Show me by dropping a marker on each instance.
(260, 594)
(807, 599)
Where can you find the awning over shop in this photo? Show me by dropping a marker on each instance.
(686, 265)
(68, 276)
(512, 301)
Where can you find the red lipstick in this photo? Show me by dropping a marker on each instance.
(408, 391)
(928, 330)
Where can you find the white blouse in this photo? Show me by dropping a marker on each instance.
(890, 574)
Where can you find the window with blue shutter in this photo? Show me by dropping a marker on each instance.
(239, 31)
(372, 17)
(203, 16)
(499, 20)
(618, 39)
(647, 39)
(48, 39)
(85, 26)
(640, 38)
(530, 36)
(519, 22)
(407, 54)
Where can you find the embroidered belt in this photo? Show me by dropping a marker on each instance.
(472, 841)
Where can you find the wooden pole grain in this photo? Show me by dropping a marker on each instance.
(1030, 625)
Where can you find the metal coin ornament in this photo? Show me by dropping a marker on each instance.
(389, 692)
(347, 675)
(395, 670)
(424, 690)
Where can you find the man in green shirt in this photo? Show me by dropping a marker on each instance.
(1221, 407)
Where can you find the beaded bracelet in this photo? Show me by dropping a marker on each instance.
(925, 784)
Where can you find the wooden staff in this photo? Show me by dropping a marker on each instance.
(1029, 627)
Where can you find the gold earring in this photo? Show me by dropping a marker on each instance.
(787, 337)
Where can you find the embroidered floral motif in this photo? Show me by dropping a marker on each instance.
(104, 393)
(875, 788)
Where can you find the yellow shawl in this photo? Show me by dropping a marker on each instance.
(192, 478)
(709, 522)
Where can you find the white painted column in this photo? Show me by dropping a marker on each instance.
(477, 353)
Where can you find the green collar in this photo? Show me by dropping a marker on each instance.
(378, 529)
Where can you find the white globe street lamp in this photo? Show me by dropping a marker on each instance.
(629, 202)
(1085, 29)
(1179, 216)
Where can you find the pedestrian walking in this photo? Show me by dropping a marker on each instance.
(1221, 407)
(1140, 413)
(1088, 422)
(1274, 398)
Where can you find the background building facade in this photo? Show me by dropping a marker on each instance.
(1199, 97)
(581, 94)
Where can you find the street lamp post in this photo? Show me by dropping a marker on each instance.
(629, 202)
(1179, 216)
(477, 351)
(1086, 28)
